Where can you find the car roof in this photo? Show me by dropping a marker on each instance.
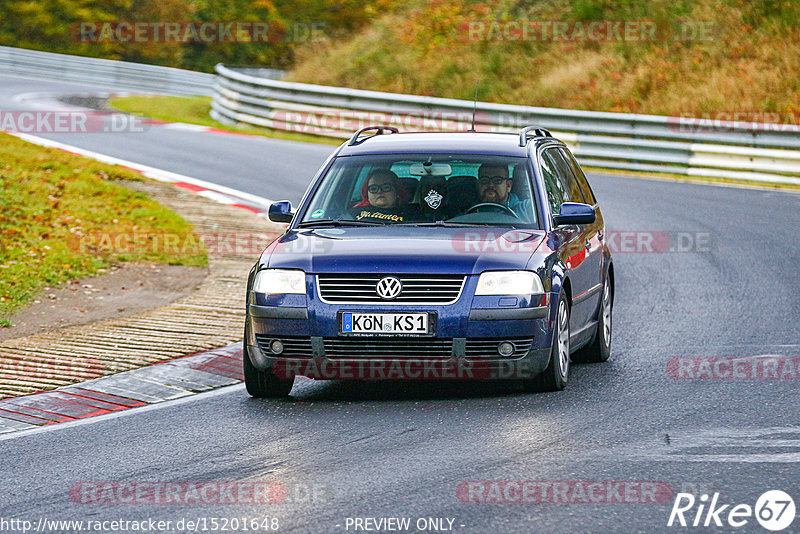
(500, 144)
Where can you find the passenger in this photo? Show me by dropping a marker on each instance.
(382, 198)
(494, 186)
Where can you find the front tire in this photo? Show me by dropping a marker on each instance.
(556, 375)
(262, 384)
(599, 349)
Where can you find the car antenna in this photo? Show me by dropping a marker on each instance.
(474, 107)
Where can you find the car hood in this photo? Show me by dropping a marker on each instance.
(402, 249)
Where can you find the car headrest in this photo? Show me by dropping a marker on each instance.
(432, 192)
(520, 184)
(462, 192)
(410, 184)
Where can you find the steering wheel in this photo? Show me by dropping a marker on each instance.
(477, 207)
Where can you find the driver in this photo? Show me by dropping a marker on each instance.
(494, 186)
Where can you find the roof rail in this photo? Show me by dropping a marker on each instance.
(537, 131)
(354, 140)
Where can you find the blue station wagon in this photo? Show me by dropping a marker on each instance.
(456, 255)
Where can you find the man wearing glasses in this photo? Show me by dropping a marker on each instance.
(494, 186)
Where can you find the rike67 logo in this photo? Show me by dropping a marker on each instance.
(774, 510)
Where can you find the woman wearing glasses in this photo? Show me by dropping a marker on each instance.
(382, 196)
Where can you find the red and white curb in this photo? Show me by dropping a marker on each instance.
(185, 126)
(156, 383)
(215, 192)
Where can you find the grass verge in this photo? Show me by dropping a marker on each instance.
(194, 110)
(62, 217)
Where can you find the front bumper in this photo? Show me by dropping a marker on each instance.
(464, 345)
(322, 367)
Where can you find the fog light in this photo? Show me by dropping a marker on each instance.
(276, 346)
(505, 348)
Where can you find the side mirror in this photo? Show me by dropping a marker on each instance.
(280, 212)
(574, 213)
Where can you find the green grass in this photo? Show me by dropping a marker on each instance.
(57, 213)
(194, 110)
(191, 109)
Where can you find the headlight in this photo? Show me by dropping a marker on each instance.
(280, 281)
(509, 283)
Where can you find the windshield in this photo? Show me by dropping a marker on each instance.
(440, 189)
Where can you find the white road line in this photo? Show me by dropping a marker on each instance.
(186, 126)
(745, 458)
(151, 172)
(746, 445)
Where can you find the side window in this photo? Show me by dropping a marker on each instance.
(355, 193)
(578, 172)
(565, 174)
(556, 193)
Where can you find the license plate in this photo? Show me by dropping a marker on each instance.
(385, 323)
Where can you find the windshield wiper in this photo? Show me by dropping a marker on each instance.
(337, 222)
(453, 224)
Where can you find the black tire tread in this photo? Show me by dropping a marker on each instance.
(548, 380)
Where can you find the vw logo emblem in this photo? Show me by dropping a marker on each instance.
(388, 287)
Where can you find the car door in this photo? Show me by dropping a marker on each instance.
(561, 187)
(584, 264)
(597, 230)
(592, 235)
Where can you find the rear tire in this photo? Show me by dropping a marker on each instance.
(556, 375)
(599, 349)
(262, 384)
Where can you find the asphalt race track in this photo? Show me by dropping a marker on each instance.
(721, 282)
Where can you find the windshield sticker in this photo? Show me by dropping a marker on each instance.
(433, 199)
(366, 214)
(317, 214)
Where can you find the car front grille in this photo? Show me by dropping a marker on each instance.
(487, 347)
(293, 346)
(428, 289)
(388, 348)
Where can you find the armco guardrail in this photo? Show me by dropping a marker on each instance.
(123, 74)
(651, 143)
